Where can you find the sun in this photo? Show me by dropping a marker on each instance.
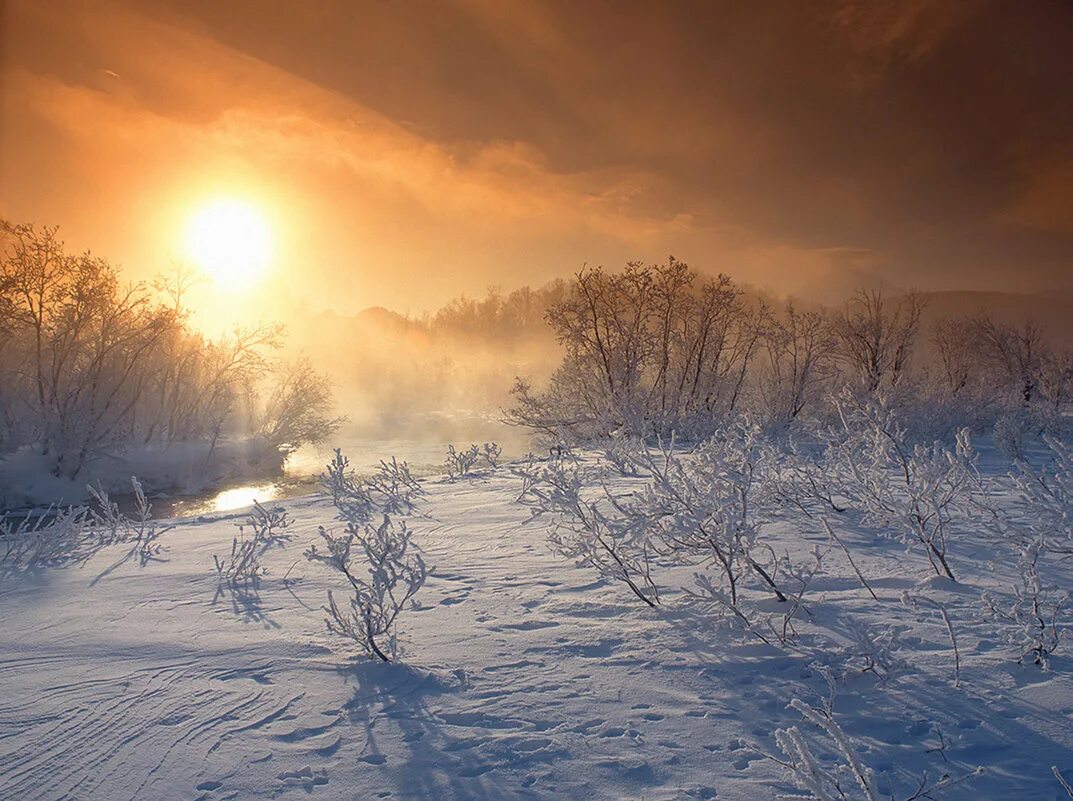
(229, 240)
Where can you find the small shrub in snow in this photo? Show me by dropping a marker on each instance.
(874, 649)
(1032, 621)
(625, 453)
(382, 587)
(704, 507)
(492, 452)
(460, 463)
(915, 491)
(350, 496)
(808, 764)
(54, 538)
(142, 531)
(243, 565)
(1008, 435)
(396, 486)
(583, 531)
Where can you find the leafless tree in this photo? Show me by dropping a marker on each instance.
(874, 337)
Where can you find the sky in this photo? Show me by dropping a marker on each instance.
(403, 153)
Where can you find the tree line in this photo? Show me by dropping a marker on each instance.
(657, 349)
(91, 367)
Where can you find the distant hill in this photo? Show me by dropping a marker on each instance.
(1052, 311)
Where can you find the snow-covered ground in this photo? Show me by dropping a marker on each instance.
(524, 677)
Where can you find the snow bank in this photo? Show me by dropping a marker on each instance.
(184, 467)
(525, 677)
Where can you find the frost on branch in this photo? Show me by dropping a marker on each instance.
(584, 531)
(625, 453)
(242, 567)
(1032, 621)
(383, 581)
(492, 452)
(916, 491)
(460, 463)
(825, 765)
(396, 485)
(54, 538)
(141, 531)
(704, 508)
(352, 498)
(1048, 496)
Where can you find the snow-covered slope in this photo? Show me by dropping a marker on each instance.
(524, 678)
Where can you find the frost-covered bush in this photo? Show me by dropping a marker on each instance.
(915, 492)
(624, 452)
(54, 538)
(706, 507)
(1047, 494)
(594, 534)
(242, 567)
(349, 495)
(1033, 621)
(492, 452)
(460, 463)
(826, 765)
(383, 582)
(111, 525)
(62, 535)
(395, 485)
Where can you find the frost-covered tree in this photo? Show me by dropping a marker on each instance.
(708, 507)
(383, 580)
(648, 350)
(590, 530)
(796, 360)
(914, 491)
(297, 407)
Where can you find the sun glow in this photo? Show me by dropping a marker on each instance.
(230, 241)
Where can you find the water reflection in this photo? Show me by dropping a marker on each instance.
(239, 497)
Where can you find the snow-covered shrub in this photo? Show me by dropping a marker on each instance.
(706, 506)
(492, 452)
(874, 649)
(349, 495)
(624, 453)
(111, 525)
(914, 491)
(460, 463)
(826, 764)
(1008, 435)
(388, 575)
(583, 531)
(395, 485)
(1048, 498)
(55, 538)
(243, 565)
(1032, 621)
